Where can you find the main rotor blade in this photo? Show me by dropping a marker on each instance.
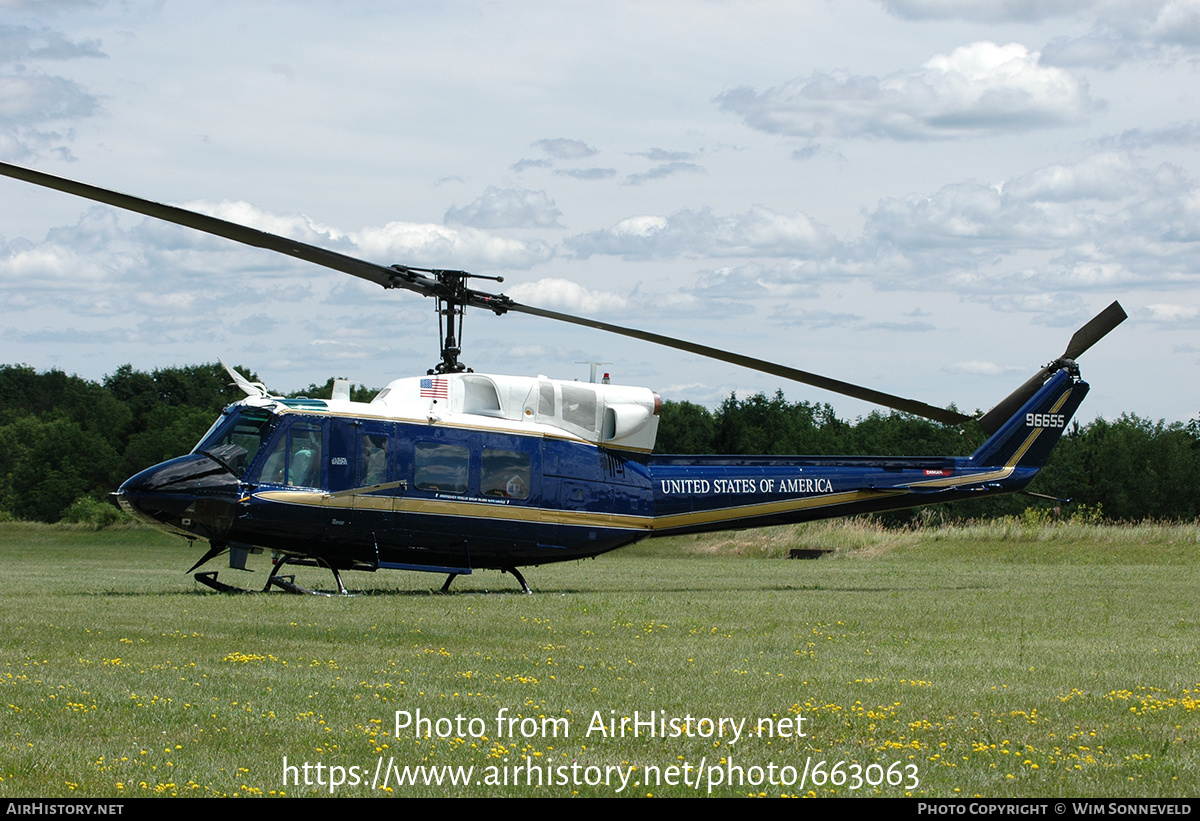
(837, 386)
(378, 274)
(410, 279)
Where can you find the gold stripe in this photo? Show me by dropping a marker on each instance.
(450, 507)
(577, 518)
(768, 508)
(964, 479)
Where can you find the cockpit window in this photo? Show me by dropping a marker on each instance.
(235, 438)
(296, 458)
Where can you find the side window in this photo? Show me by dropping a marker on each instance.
(579, 406)
(546, 398)
(505, 473)
(304, 466)
(296, 458)
(441, 467)
(372, 460)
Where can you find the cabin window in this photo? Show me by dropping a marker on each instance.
(505, 473)
(579, 406)
(546, 399)
(441, 467)
(372, 460)
(296, 458)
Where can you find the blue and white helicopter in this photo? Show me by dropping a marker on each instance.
(455, 471)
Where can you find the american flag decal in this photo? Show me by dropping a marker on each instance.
(435, 388)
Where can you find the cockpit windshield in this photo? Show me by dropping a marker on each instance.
(236, 437)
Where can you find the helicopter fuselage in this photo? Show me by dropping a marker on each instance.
(465, 472)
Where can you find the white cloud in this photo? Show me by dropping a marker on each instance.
(1169, 313)
(972, 367)
(754, 280)
(46, 267)
(21, 43)
(663, 171)
(421, 244)
(1106, 176)
(760, 231)
(25, 100)
(986, 11)
(432, 245)
(562, 148)
(663, 155)
(507, 208)
(978, 89)
(1107, 220)
(587, 173)
(292, 226)
(1185, 133)
(564, 295)
(1132, 31)
(521, 165)
(31, 100)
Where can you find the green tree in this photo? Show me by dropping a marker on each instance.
(684, 427)
(60, 462)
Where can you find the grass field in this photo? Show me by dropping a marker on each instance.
(1010, 659)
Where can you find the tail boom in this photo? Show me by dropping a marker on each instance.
(694, 494)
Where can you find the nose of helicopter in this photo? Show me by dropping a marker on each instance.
(193, 496)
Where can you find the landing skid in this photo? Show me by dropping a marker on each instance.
(284, 583)
(288, 583)
(210, 579)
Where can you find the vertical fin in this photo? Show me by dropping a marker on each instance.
(1030, 434)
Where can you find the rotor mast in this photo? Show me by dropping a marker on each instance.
(452, 297)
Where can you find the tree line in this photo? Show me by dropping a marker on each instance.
(66, 442)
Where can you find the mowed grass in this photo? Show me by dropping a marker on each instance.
(1006, 659)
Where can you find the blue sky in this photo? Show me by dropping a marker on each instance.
(923, 196)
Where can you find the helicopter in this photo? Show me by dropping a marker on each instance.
(454, 471)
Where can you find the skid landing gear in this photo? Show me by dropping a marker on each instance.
(288, 583)
(516, 574)
(285, 583)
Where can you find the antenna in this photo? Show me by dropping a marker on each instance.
(594, 365)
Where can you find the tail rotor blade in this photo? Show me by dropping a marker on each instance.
(1087, 336)
(1095, 330)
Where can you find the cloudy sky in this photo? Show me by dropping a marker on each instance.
(923, 196)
